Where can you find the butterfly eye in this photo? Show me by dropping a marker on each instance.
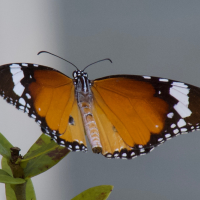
(79, 73)
(74, 74)
(85, 74)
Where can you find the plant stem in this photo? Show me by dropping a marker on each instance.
(17, 170)
(20, 191)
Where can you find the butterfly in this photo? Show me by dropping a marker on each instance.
(123, 116)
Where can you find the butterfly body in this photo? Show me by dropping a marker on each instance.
(124, 116)
(84, 98)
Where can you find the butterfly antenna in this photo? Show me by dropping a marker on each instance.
(58, 57)
(97, 62)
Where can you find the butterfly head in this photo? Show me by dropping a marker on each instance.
(79, 73)
(81, 81)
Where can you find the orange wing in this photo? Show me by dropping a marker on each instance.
(47, 96)
(134, 113)
(53, 97)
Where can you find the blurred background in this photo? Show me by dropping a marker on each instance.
(157, 38)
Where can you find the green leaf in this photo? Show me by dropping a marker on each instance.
(10, 194)
(33, 152)
(41, 146)
(6, 178)
(44, 162)
(95, 193)
(43, 155)
(30, 192)
(5, 166)
(5, 147)
(41, 141)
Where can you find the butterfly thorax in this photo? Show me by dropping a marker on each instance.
(82, 86)
(84, 98)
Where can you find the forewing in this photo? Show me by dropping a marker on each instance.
(43, 93)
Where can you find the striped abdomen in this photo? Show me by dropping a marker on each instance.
(90, 126)
(84, 98)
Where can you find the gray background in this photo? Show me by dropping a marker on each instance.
(159, 38)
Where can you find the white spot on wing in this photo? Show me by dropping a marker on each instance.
(24, 64)
(180, 84)
(18, 77)
(181, 89)
(22, 101)
(182, 110)
(55, 137)
(163, 79)
(179, 96)
(15, 70)
(167, 135)
(33, 116)
(170, 115)
(173, 125)
(19, 89)
(147, 77)
(132, 153)
(124, 155)
(28, 95)
(142, 150)
(175, 131)
(151, 149)
(14, 65)
(181, 123)
(183, 129)
(21, 107)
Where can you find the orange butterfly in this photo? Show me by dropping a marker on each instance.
(123, 116)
